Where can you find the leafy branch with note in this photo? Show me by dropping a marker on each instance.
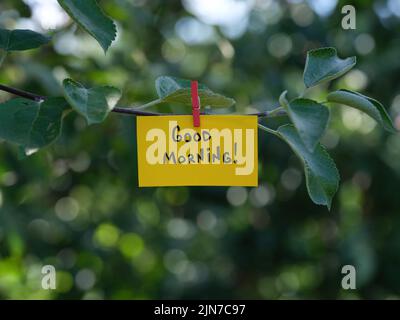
(33, 121)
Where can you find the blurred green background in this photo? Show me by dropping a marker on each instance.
(76, 204)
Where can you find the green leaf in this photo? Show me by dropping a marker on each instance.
(283, 100)
(18, 40)
(363, 103)
(31, 124)
(90, 17)
(324, 65)
(94, 104)
(322, 176)
(174, 90)
(310, 119)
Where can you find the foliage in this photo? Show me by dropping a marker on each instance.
(368, 105)
(322, 177)
(94, 104)
(75, 205)
(174, 90)
(31, 124)
(324, 65)
(19, 40)
(309, 117)
(90, 17)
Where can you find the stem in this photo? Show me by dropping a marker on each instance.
(269, 130)
(283, 100)
(20, 93)
(147, 105)
(277, 112)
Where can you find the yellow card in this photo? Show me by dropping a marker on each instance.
(221, 152)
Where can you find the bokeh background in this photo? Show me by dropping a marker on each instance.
(76, 204)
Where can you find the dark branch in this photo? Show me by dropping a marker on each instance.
(21, 93)
(136, 112)
(130, 111)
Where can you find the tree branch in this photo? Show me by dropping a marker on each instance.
(277, 112)
(20, 93)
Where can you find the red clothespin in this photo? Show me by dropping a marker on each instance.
(195, 103)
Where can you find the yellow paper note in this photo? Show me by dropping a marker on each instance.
(221, 152)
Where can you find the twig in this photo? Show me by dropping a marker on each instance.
(269, 130)
(20, 93)
(147, 105)
(277, 112)
(135, 112)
